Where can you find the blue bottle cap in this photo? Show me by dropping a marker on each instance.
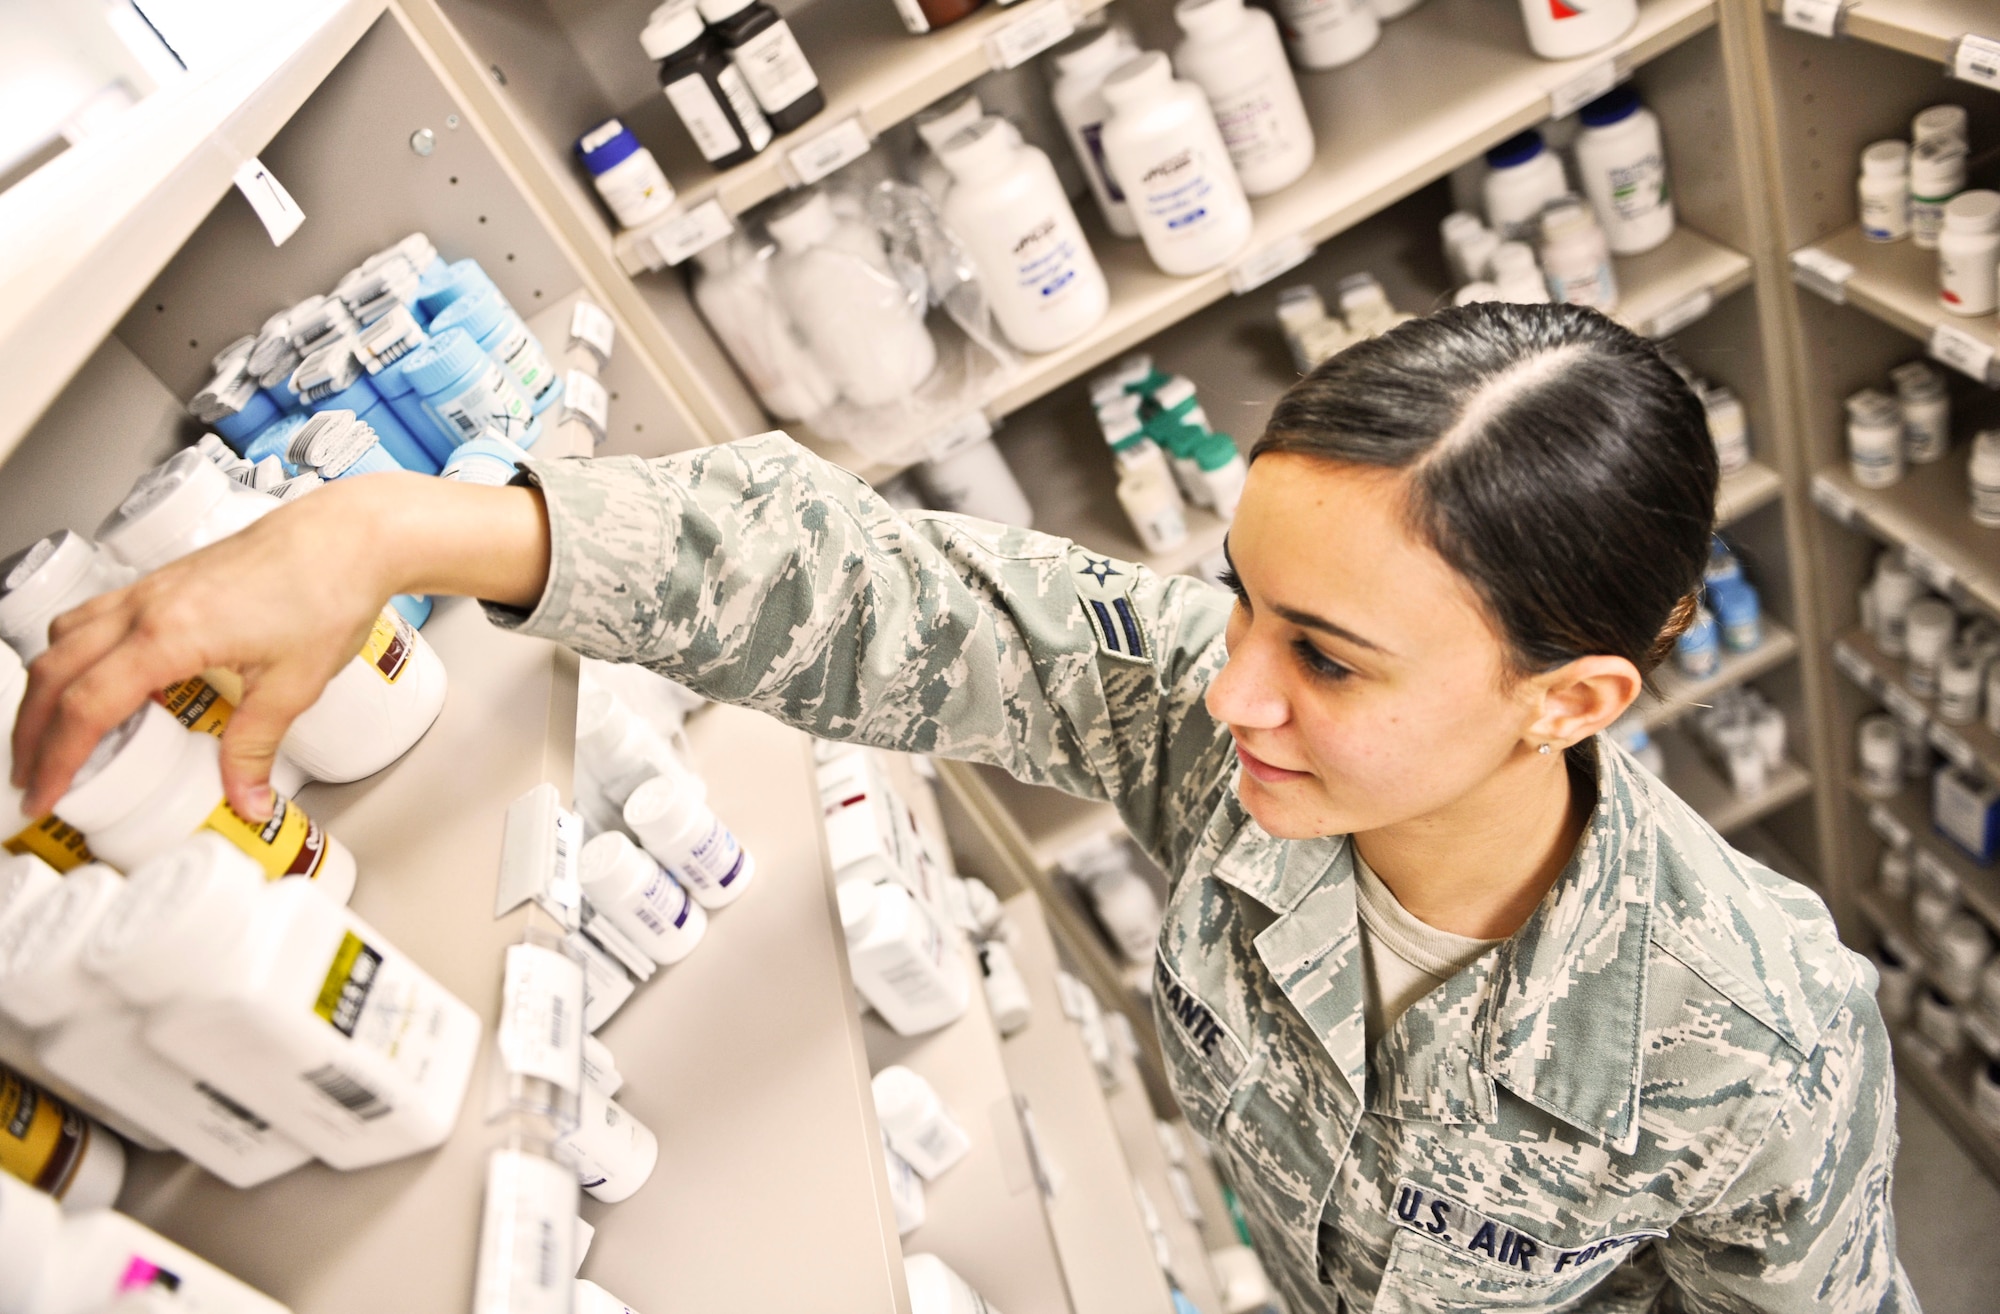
(258, 411)
(478, 313)
(445, 359)
(1615, 104)
(357, 397)
(1518, 149)
(390, 381)
(435, 290)
(275, 439)
(605, 146)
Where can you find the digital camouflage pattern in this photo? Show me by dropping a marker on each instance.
(1671, 1089)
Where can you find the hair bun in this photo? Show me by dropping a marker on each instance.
(1679, 621)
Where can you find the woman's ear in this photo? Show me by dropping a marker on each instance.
(1581, 698)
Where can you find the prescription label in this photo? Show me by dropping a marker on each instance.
(289, 844)
(54, 841)
(198, 705)
(391, 643)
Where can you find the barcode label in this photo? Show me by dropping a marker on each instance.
(1963, 350)
(1266, 263)
(1030, 34)
(585, 398)
(349, 1092)
(591, 324)
(839, 145)
(1977, 59)
(1819, 18)
(541, 1015)
(1827, 275)
(674, 240)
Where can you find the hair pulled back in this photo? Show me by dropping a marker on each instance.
(1554, 460)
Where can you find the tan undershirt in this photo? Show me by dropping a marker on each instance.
(1405, 959)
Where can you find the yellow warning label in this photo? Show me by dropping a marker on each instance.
(41, 1138)
(289, 844)
(198, 705)
(54, 841)
(391, 642)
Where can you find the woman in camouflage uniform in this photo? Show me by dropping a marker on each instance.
(1477, 1015)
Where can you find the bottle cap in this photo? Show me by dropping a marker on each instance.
(1939, 121)
(330, 369)
(42, 978)
(127, 765)
(478, 313)
(234, 358)
(439, 287)
(1093, 50)
(1618, 103)
(659, 809)
(902, 1098)
(717, 10)
(1513, 258)
(672, 29)
(316, 318)
(981, 148)
(1917, 380)
(610, 864)
(390, 338)
(804, 223)
(45, 580)
(1208, 18)
(184, 911)
(1885, 159)
(331, 442)
(1459, 224)
(605, 146)
(486, 460)
(1215, 451)
(1872, 406)
(1976, 211)
(30, 1222)
(446, 358)
(941, 122)
(1516, 150)
(1566, 217)
(1138, 79)
(165, 504)
(857, 908)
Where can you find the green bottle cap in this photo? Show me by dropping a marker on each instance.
(1214, 451)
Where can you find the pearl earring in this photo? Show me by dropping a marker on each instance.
(1544, 750)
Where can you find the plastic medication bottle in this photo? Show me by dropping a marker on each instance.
(48, 840)
(1223, 473)
(902, 960)
(1698, 652)
(502, 334)
(1623, 166)
(1006, 992)
(1874, 439)
(628, 886)
(1885, 191)
(1926, 408)
(612, 1151)
(937, 124)
(733, 289)
(53, 1148)
(1151, 501)
(1171, 162)
(707, 91)
(1082, 62)
(1576, 257)
(289, 1004)
(1930, 629)
(1523, 176)
(974, 479)
(1234, 54)
(45, 580)
(151, 783)
(625, 173)
(42, 977)
(469, 391)
(1937, 173)
(1969, 253)
(936, 1289)
(916, 1122)
(1564, 31)
(1958, 681)
(1008, 207)
(183, 504)
(1728, 428)
(1983, 477)
(1517, 275)
(57, 1262)
(1881, 752)
(765, 52)
(1328, 33)
(671, 817)
(860, 322)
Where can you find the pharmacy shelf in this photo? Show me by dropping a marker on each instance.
(739, 1122)
(1947, 1091)
(82, 236)
(871, 68)
(1051, 821)
(1678, 693)
(1928, 514)
(426, 833)
(1690, 775)
(1910, 810)
(1752, 488)
(1107, 1252)
(1897, 283)
(1973, 746)
(1928, 29)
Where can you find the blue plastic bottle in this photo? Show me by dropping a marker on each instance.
(469, 391)
(426, 428)
(501, 332)
(397, 441)
(1698, 652)
(275, 439)
(1739, 613)
(438, 288)
(239, 427)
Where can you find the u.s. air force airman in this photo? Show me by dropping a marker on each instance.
(1669, 1089)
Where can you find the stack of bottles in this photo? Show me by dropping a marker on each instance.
(1729, 617)
(1886, 434)
(1106, 1033)
(1166, 454)
(1108, 872)
(1915, 190)
(1313, 335)
(1745, 736)
(734, 73)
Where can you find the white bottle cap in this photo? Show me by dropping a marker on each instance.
(1885, 159)
(982, 148)
(1513, 258)
(30, 1222)
(946, 119)
(661, 808)
(1139, 80)
(127, 765)
(42, 977)
(803, 224)
(717, 10)
(1976, 211)
(610, 864)
(673, 28)
(44, 581)
(182, 913)
(24, 878)
(1208, 18)
(1565, 218)
(1091, 52)
(857, 908)
(1939, 121)
(164, 505)
(903, 1100)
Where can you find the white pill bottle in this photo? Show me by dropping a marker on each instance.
(1170, 159)
(1234, 54)
(1623, 167)
(1564, 29)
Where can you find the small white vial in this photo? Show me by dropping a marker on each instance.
(903, 962)
(1233, 53)
(906, 1191)
(671, 817)
(1006, 992)
(1728, 428)
(1517, 275)
(1937, 173)
(1959, 678)
(1170, 160)
(1983, 478)
(1884, 187)
(1926, 407)
(1969, 253)
(1894, 588)
(1931, 625)
(632, 891)
(1963, 951)
(1576, 258)
(1150, 497)
(612, 1151)
(1881, 754)
(1874, 439)
(1747, 773)
(1081, 64)
(916, 1122)
(1324, 34)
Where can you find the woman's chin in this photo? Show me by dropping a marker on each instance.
(1282, 812)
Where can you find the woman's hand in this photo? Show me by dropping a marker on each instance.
(284, 604)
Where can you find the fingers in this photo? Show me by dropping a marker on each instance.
(50, 675)
(130, 668)
(250, 742)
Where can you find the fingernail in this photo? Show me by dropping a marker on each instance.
(260, 803)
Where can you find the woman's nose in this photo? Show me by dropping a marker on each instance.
(1244, 693)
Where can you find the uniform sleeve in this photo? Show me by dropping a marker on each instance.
(757, 574)
(1807, 1224)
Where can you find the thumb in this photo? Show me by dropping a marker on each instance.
(250, 744)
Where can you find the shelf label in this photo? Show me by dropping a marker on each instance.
(1820, 18)
(1888, 825)
(1069, 993)
(1962, 350)
(585, 397)
(1904, 705)
(1047, 1175)
(538, 851)
(1266, 263)
(1583, 88)
(1817, 271)
(1682, 313)
(279, 213)
(541, 1016)
(700, 228)
(1931, 869)
(835, 148)
(1030, 33)
(961, 433)
(1980, 1032)
(1952, 744)
(1977, 59)
(605, 983)
(590, 324)
(1928, 567)
(1834, 500)
(1854, 666)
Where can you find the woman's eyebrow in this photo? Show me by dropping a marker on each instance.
(1306, 620)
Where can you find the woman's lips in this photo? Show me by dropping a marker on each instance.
(1264, 771)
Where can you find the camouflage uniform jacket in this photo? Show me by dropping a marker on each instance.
(1670, 1089)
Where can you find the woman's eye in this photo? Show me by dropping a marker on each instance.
(1319, 663)
(1230, 580)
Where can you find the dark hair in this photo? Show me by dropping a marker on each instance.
(1555, 460)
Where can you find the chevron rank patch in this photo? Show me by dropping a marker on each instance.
(1103, 586)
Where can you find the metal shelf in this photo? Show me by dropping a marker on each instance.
(1928, 29)
(1929, 514)
(1974, 745)
(1978, 886)
(1678, 694)
(1896, 282)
